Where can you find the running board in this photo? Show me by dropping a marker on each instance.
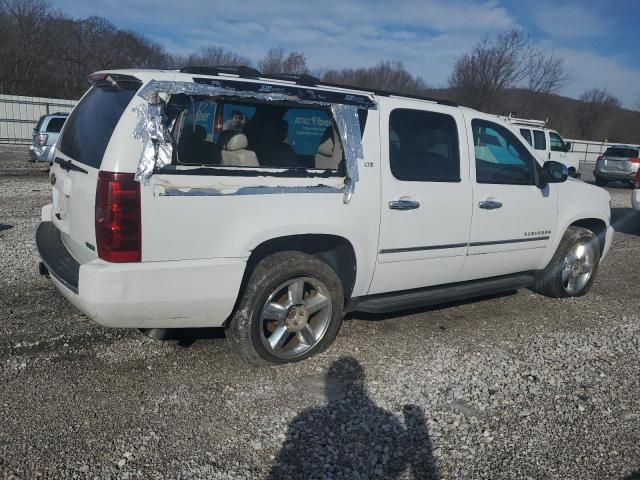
(407, 299)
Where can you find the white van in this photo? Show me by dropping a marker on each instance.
(270, 205)
(547, 143)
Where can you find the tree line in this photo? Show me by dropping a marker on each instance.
(47, 53)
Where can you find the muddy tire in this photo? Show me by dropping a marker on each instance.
(291, 308)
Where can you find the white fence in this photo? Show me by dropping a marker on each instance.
(588, 151)
(19, 115)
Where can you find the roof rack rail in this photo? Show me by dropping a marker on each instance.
(305, 80)
(300, 79)
(240, 70)
(388, 93)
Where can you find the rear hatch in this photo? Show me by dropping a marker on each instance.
(78, 156)
(619, 160)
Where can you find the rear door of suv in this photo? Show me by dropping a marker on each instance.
(77, 159)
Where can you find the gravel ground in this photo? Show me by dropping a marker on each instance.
(512, 386)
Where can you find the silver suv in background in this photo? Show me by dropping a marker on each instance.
(45, 136)
(620, 162)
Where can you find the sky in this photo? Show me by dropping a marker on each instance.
(599, 40)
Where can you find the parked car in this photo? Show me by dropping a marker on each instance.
(547, 143)
(635, 195)
(620, 162)
(45, 136)
(325, 199)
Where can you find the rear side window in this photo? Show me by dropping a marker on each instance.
(216, 132)
(89, 127)
(55, 124)
(539, 140)
(621, 152)
(423, 146)
(526, 133)
(555, 143)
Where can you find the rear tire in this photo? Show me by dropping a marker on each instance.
(601, 182)
(573, 268)
(290, 310)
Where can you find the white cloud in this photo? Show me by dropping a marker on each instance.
(588, 70)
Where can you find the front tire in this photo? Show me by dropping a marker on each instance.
(290, 309)
(572, 269)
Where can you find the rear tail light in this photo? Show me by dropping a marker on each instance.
(118, 230)
(40, 139)
(637, 180)
(600, 157)
(634, 160)
(218, 124)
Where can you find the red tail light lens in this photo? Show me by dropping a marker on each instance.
(40, 139)
(118, 230)
(637, 180)
(633, 160)
(600, 157)
(218, 124)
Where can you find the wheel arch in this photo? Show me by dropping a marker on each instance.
(597, 226)
(335, 250)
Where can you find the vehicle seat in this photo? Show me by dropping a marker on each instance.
(275, 152)
(194, 149)
(329, 151)
(235, 153)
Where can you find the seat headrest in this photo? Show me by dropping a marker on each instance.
(197, 133)
(326, 142)
(326, 148)
(237, 142)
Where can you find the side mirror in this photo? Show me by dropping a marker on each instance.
(567, 146)
(553, 172)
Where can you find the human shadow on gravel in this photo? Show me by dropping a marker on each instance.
(353, 438)
(4, 227)
(625, 220)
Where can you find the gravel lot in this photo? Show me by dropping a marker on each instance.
(513, 386)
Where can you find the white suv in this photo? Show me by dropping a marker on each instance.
(272, 205)
(547, 143)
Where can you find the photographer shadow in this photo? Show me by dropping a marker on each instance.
(352, 438)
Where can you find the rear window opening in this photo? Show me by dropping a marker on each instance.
(55, 124)
(227, 132)
(88, 129)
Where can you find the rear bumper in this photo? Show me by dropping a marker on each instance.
(41, 154)
(612, 175)
(169, 294)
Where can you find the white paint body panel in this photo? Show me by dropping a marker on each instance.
(635, 199)
(195, 248)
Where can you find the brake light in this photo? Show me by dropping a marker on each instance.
(634, 160)
(117, 218)
(218, 124)
(600, 157)
(637, 180)
(40, 139)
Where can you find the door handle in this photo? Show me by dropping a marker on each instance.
(404, 204)
(490, 204)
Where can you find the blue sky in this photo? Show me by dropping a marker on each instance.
(600, 42)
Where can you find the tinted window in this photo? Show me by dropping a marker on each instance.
(621, 152)
(238, 134)
(555, 143)
(500, 156)
(55, 124)
(423, 146)
(526, 133)
(90, 125)
(539, 140)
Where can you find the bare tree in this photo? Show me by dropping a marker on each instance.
(216, 56)
(275, 61)
(387, 75)
(480, 78)
(596, 105)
